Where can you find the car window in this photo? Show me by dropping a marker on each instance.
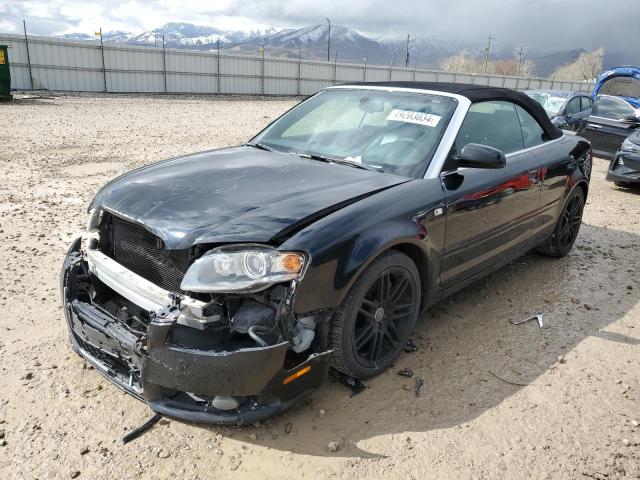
(493, 123)
(610, 107)
(336, 115)
(573, 106)
(388, 132)
(532, 133)
(586, 104)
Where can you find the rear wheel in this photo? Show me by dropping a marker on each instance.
(567, 228)
(374, 321)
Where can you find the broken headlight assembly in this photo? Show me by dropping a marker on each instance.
(630, 147)
(242, 269)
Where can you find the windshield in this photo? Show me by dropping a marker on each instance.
(391, 132)
(551, 103)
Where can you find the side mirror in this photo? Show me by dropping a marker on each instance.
(475, 155)
(630, 119)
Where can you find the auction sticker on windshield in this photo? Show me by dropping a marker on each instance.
(419, 118)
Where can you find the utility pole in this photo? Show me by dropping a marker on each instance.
(329, 41)
(520, 53)
(486, 52)
(406, 56)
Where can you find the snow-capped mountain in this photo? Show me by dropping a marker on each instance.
(311, 42)
(179, 35)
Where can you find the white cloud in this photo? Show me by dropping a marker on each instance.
(549, 24)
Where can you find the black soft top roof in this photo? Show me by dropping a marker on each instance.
(479, 93)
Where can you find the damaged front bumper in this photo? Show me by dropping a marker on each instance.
(624, 168)
(178, 365)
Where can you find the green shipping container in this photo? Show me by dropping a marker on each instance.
(5, 75)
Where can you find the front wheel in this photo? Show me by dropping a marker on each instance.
(373, 323)
(564, 236)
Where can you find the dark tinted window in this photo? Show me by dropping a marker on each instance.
(573, 106)
(532, 132)
(586, 103)
(491, 123)
(609, 107)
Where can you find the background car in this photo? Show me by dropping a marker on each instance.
(624, 169)
(612, 119)
(566, 109)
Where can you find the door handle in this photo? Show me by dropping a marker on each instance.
(593, 125)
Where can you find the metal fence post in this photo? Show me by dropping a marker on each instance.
(415, 67)
(218, 66)
(335, 68)
(26, 42)
(104, 69)
(262, 72)
(164, 65)
(364, 70)
(299, 70)
(391, 70)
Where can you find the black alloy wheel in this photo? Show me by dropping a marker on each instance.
(570, 223)
(376, 318)
(567, 227)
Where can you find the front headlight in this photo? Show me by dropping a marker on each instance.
(91, 237)
(629, 146)
(242, 268)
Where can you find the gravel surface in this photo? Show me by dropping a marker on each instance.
(498, 401)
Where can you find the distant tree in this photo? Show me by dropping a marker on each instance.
(586, 67)
(464, 63)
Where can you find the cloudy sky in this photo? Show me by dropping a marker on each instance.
(535, 23)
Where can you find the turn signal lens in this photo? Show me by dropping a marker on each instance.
(292, 263)
(298, 374)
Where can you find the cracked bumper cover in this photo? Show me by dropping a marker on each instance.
(624, 168)
(163, 373)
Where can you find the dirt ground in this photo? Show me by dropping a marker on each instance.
(499, 400)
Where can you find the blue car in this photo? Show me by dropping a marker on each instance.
(616, 111)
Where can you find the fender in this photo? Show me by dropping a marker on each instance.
(341, 245)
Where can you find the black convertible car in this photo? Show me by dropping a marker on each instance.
(221, 286)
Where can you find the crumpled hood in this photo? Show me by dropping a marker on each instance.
(240, 194)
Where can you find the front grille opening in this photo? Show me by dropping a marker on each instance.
(139, 250)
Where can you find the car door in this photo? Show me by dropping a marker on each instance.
(490, 213)
(607, 128)
(572, 113)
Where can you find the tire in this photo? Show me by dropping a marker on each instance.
(373, 323)
(564, 235)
